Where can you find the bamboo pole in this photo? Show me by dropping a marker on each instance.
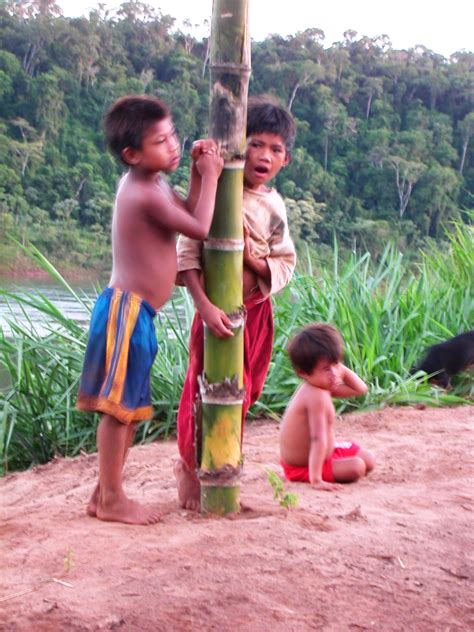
(222, 389)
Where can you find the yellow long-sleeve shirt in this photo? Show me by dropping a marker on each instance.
(269, 238)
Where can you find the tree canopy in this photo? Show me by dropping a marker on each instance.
(385, 137)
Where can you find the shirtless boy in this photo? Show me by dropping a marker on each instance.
(122, 342)
(308, 450)
(269, 262)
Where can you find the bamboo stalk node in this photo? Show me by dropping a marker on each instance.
(230, 67)
(236, 322)
(225, 392)
(238, 317)
(226, 476)
(237, 162)
(228, 116)
(229, 245)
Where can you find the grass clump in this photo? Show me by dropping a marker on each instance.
(387, 312)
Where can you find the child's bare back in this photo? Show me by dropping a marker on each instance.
(144, 252)
(308, 450)
(295, 433)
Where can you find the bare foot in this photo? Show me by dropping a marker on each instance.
(91, 509)
(128, 511)
(189, 489)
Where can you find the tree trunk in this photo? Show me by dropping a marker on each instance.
(463, 157)
(221, 386)
(293, 96)
(367, 109)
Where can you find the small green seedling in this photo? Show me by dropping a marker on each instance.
(286, 499)
(69, 561)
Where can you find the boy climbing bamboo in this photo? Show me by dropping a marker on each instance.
(269, 262)
(122, 342)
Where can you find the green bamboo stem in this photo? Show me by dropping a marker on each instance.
(222, 387)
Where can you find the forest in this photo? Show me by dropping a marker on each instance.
(384, 149)
(379, 192)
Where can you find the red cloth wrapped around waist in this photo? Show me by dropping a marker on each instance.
(258, 346)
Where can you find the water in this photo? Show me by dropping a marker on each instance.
(32, 319)
(62, 299)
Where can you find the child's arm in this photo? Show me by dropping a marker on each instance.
(350, 385)
(259, 266)
(167, 211)
(189, 253)
(318, 436)
(216, 319)
(276, 269)
(199, 147)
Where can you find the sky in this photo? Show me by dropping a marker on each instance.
(443, 27)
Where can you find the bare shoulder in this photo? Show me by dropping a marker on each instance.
(319, 404)
(305, 398)
(313, 395)
(163, 188)
(152, 195)
(295, 406)
(132, 193)
(298, 397)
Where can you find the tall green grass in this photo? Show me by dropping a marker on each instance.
(387, 313)
(41, 357)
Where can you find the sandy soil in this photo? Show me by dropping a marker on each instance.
(393, 552)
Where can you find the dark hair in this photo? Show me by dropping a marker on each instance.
(266, 114)
(129, 118)
(313, 343)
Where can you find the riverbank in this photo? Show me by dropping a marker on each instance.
(392, 552)
(20, 269)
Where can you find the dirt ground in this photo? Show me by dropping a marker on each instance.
(393, 552)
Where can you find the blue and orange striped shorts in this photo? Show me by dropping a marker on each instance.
(120, 352)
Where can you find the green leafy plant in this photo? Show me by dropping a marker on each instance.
(69, 564)
(287, 500)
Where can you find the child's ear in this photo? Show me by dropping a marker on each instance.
(131, 156)
(287, 159)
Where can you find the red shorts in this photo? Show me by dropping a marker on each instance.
(342, 450)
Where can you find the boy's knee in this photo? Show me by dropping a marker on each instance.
(359, 468)
(369, 459)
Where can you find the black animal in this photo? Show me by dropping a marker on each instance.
(448, 358)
